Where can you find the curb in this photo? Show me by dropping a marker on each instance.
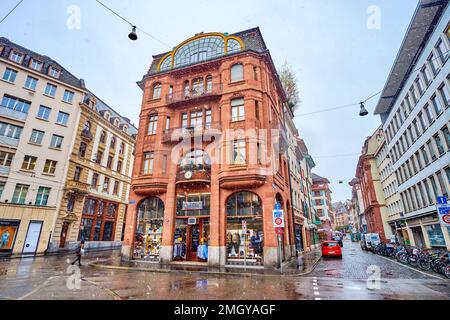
(245, 274)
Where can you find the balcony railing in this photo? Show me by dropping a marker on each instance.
(196, 93)
(10, 113)
(10, 142)
(78, 186)
(176, 134)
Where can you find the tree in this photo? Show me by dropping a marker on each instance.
(289, 82)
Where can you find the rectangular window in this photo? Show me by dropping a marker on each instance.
(16, 57)
(116, 188)
(50, 166)
(119, 166)
(414, 96)
(239, 152)
(68, 96)
(429, 114)
(434, 187)
(184, 120)
(6, 158)
(77, 174)
(10, 130)
(441, 181)
(29, 163)
(437, 105)
(56, 142)
(426, 75)
(445, 95)
(208, 118)
(42, 196)
(148, 163)
(442, 51)
(44, 112)
(54, 72)
(36, 65)
(106, 185)
(99, 157)
(109, 162)
(94, 181)
(425, 156)
(31, 83)
(435, 235)
(15, 104)
(422, 121)
(431, 150)
(446, 134)
(439, 144)
(196, 119)
(428, 192)
(167, 123)
(419, 84)
(63, 118)
(237, 109)
(50, 90)
(152, 124)
(20, 193)
(37, 136)
(10, 75)
(82, 150)
(433, 64)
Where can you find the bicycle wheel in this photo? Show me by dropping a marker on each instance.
(413, 260)
(424, 264)
(447, 271)
(403, 258)
(435, 265)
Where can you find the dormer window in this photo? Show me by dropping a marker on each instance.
(36, 65)
(107, 116)
(54, 72)
(125, 129)
(16, 57)
(116, 122)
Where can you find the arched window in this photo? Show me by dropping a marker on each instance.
(122, 148)
(166, 64)
(116, 122)
(237, 72)
(197, 87)
(233, 46)
(125, 129)
(151, 208)
(198, 50)
(209, 84)
(157, 91)
(244, 204)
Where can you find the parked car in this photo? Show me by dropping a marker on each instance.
(331, 249)
(369, 241)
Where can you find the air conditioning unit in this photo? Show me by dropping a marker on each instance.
(192, 221)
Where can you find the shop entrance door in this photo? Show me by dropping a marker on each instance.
(193, 242)
(418, 237)
(32, 239)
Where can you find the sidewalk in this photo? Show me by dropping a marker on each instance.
(290, 268)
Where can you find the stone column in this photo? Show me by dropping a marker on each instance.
(166, 251)
(215, 227)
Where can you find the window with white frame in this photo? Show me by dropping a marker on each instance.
(36, 136)
(63, 118)
(20, 193)
(50, 166)
(10, 75)
(36, 65)
(29, 163)
(56, 142)
(31, 83)
(16, 57)
(50, 90)
(42, 196)
(68, 96)
(237, 109)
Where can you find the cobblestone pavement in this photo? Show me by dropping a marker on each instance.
(50, 278)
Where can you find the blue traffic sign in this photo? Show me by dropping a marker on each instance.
(442, 200)
(277, 206)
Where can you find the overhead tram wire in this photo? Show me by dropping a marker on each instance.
(442, 55)
(133, 25)
(11, 11)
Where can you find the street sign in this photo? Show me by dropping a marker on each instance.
(278, 219)
(443, 208)
(244, 226)
(279, 231)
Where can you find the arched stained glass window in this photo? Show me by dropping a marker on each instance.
(199, 50)
(150, 208)
(244, 204)
(233, 46)
(166, 64)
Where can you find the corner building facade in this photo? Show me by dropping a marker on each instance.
(210, 156)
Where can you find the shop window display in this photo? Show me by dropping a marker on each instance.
(435, 235)
(191, 241)
(149, 229)
(248, 245)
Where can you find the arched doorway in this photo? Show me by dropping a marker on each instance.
(149, 228)
(244, 238)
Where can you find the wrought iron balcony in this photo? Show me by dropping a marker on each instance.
(195, 94)
(10, 113)
(177, 134)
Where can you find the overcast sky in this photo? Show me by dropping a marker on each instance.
(338, 60)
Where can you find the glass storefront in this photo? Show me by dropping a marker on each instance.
(244, 209)
(149, 229)
(435, 235)
(191, 239)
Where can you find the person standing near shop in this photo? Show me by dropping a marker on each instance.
(79, 252)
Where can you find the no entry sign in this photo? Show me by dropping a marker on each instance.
(278, 219)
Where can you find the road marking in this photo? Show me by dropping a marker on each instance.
(420, 271)
(317, 298)
(316, 293)
(39, 287)
(316, 288)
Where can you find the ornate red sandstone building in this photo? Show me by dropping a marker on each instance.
(210, 156)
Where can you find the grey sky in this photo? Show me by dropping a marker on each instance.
(337, 59)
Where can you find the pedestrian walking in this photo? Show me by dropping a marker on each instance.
(79, 252)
